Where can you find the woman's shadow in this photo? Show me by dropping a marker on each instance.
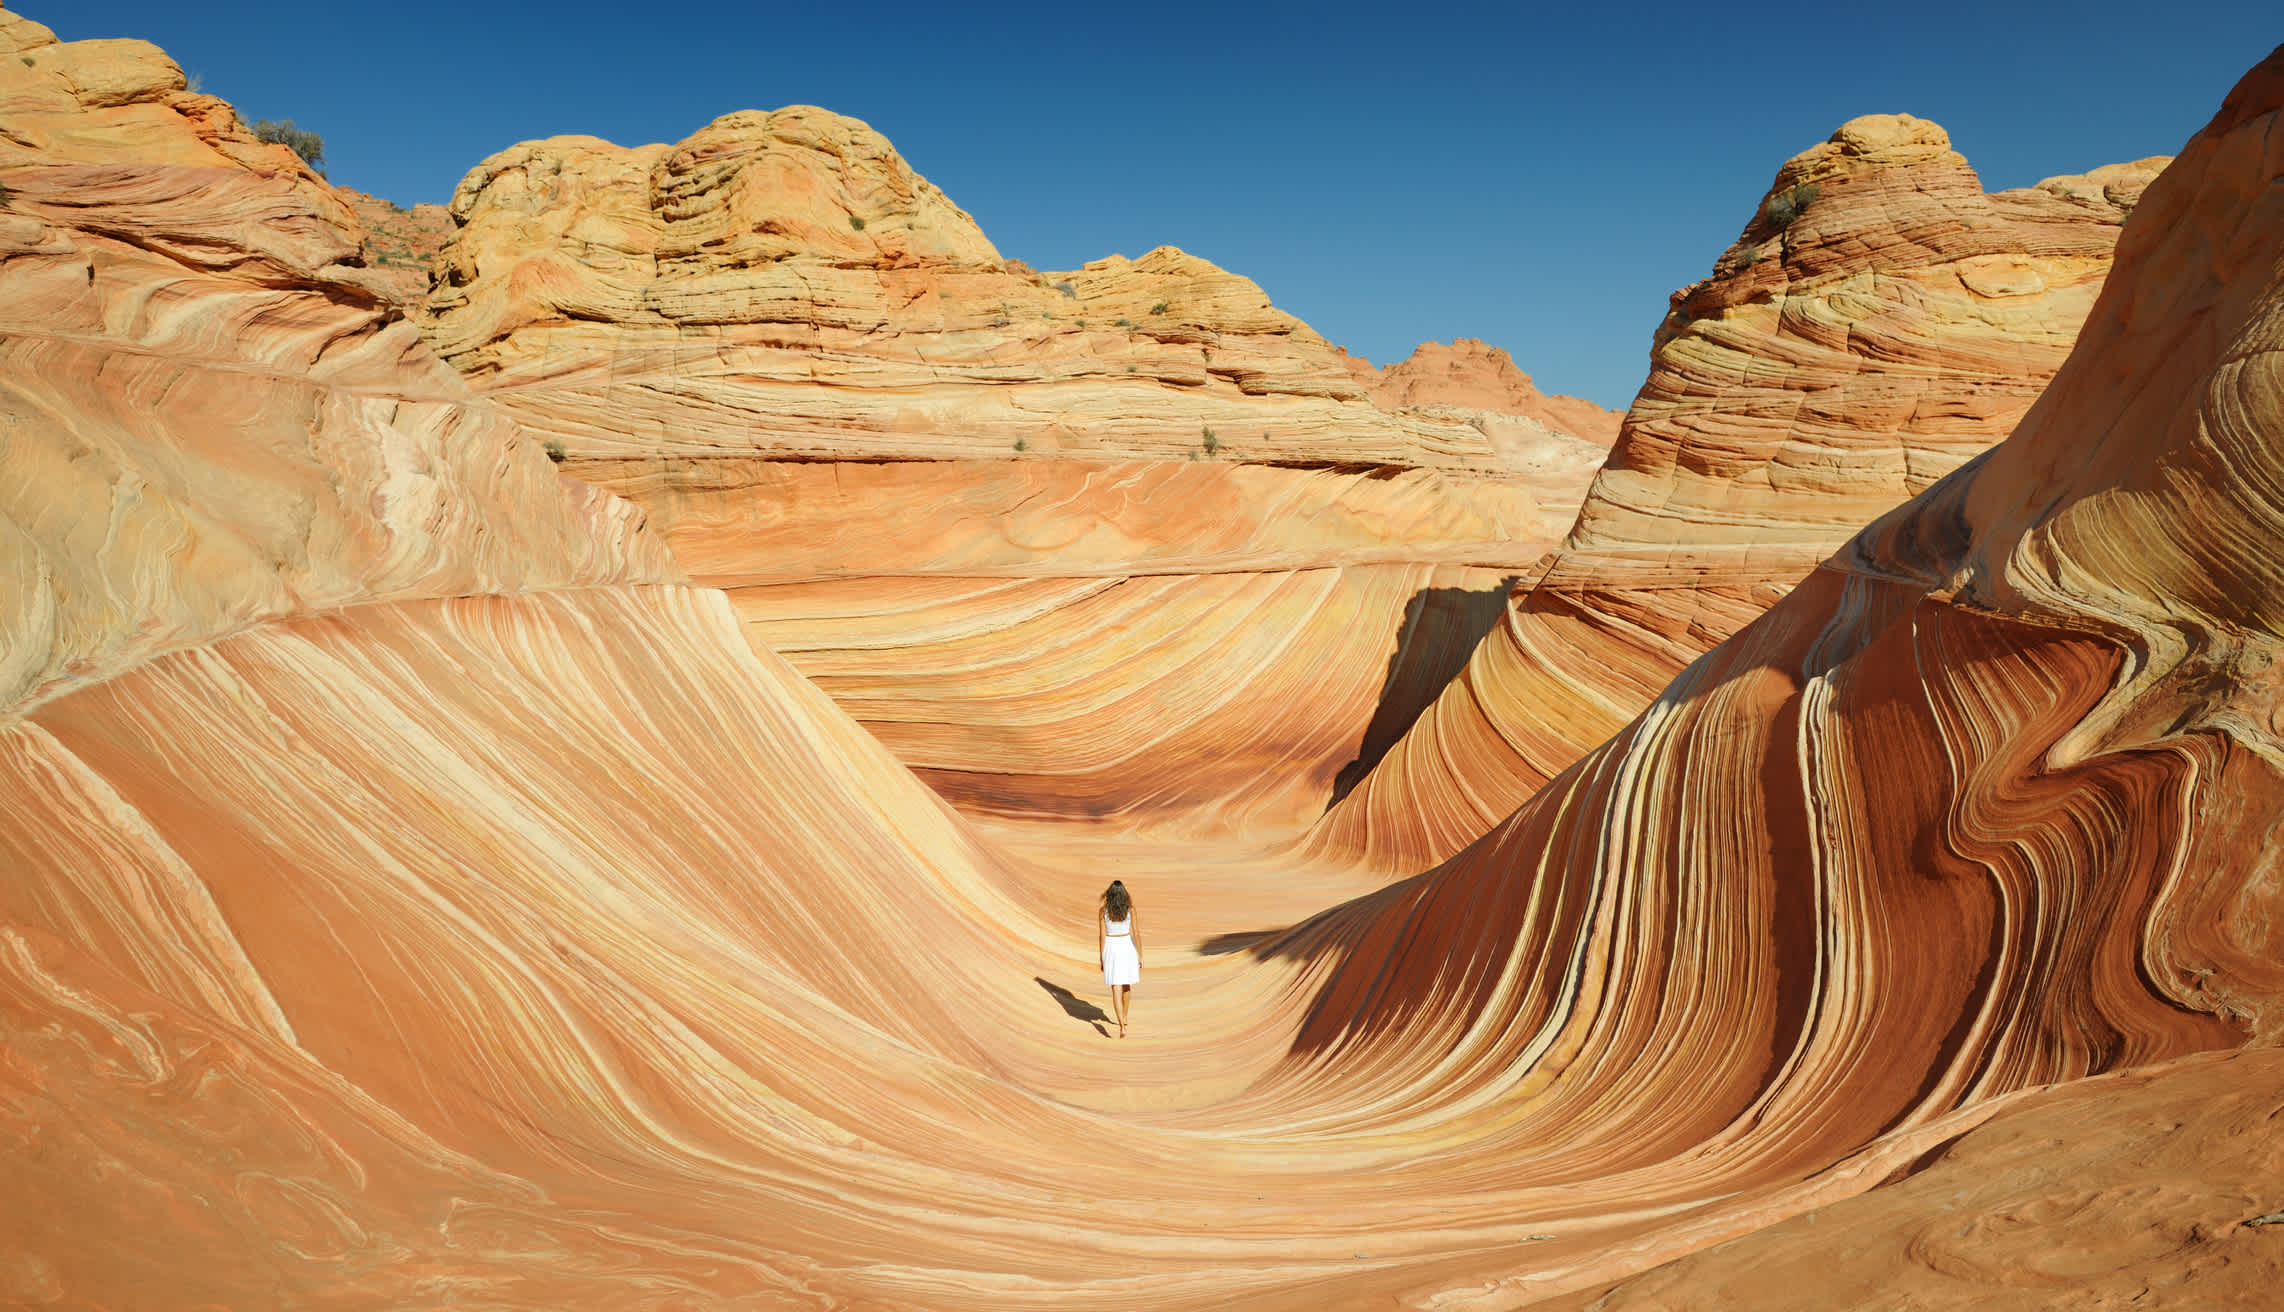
(1076, 1007)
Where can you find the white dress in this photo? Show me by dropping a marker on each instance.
(1121, 964)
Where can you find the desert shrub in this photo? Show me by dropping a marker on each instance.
(301, 141)
(5, 197)
(554, 450)
(856, 222)
(1789, 204)
(1067, 290)
(1159, 308)
(1211, 443)
(1022, 445)
(1125, 323)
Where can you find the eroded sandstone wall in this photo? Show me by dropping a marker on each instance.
(1059, 539)
(208, 417)
(1879, 322)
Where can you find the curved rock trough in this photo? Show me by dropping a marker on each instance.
(653, 871)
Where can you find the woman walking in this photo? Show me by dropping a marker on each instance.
(1120, 943)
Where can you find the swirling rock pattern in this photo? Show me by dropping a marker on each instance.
(1106, 639)
(542, 941)
(1879, 322)
(207, 418)
(1139, 495)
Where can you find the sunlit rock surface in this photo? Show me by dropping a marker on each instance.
(401, 243)
(1061, 540)
(543, 942)
(784, 283)
(207, 419)
(1471, 375)
(1879, 322)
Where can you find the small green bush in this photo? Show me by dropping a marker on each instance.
(554, 450)
(856, 223)
(1159, 308)
(1067, 290)
(1126, 323)
(1022, 445)
(6, 197)
(301, 141)
(1211, 443)
(1788, 205)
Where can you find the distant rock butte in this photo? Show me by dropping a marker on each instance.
(1879, 322)
(824, 384)
(1470, 375)
(784, 284)
(401, 244)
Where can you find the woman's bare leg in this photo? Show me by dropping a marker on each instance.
(1125, 1004)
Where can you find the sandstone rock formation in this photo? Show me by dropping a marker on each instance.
(784, 284)
(1879, 322)
(401, 244)
(470, 913)
(1983, 804)
(208, 418)
(2154, 1187)
(1471, 375)
(824, 384)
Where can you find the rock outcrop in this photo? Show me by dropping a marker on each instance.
(1470, 375)
(466, 911)
(401, 244)
(1879, 322)
(824, 384)
(208, 416)
(1983, 804)
(785, 284)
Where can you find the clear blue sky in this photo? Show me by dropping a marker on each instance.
(1539, 177)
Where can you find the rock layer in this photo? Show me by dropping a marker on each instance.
(1880, 322)
(784, 284)
(538, 941)
(401, 244)
(824, 384)
(1471, 375)
(208, 418)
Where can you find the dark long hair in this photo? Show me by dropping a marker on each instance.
(1117, 903)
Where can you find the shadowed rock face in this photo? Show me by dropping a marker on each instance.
(519, 933)
(1880, 322)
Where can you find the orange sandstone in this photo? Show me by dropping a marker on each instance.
(1880, 322)
(473, 912)
(1139, 494)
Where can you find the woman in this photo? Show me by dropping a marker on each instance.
(1120, 945)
